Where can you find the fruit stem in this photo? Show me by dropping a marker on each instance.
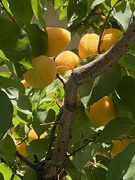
(25, 160)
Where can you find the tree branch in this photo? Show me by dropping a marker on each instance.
(93, 69)
(79, 76)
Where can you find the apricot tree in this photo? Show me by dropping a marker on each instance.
(72, 147)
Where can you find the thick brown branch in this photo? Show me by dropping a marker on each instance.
(103, 62)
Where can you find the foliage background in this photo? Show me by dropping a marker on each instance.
(89, 148)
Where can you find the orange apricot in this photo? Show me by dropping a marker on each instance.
(43, 72)
(58, 39)
(88, 45)
(67, 60)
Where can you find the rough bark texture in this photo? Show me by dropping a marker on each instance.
(79, 76)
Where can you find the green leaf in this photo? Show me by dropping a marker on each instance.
(8, 82)
(114, 169)
(30, 174)
(38, 39)
(57, 4)
(128, 157)
(125, 92)
(37, 146)
(16, 177)
(102, 86)
(6, 171)
(82, 157)
(128, 61)
(7, 148)
(21, 10)
(38, 12)
(20, 100)
(85, 92)
(105, 84)
(122, 166)
(123, 13)
(14, 45)
(6, 113)
(91, 4)
(76, 11)
(115, 128)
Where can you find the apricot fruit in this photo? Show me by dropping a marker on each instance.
(88, 45)
(66, 60)
(101, 112)
(43, 72)
(58, 39)
(32, 135)
(119, 145)
(21, 148)
(109, 38)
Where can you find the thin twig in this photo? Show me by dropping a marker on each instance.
(52, 134)
(92, 138)
(62, 79)
(25, 160)
(10, 16)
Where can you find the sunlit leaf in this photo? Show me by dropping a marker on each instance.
(14, 45)
(6, 171)
(38, 12)
(21, 10)
(123, 9)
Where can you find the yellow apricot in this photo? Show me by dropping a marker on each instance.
(119, 145)
(21, 148)
(43, 72)
(58, 39)
(109, 38)
(88, 45)
(67, 60)
(32, 135)
(101, 112)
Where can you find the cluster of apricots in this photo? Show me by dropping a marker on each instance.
(44, 68)
(58, 60)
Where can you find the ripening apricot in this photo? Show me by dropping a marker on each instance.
(109, 38)
(101, 112)
(43, 72)
(32, 135)
(58, 39)
(21, 148)
(119, 145)
(88, 45)
(67, 60)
